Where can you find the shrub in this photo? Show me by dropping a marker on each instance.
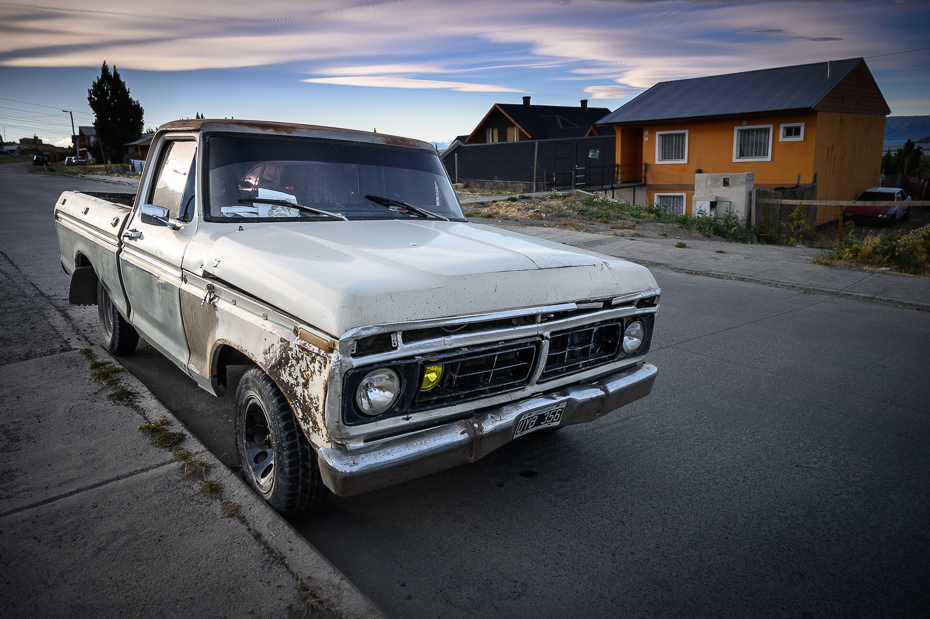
(909, 253)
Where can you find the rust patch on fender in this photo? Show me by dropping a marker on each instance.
(200, 330)
(301, 374)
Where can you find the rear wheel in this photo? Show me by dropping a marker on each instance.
(275, 456)
(119, 337)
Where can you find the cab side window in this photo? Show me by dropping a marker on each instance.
(174, 188)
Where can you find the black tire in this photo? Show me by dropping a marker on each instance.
(275, 456)
(119, 337)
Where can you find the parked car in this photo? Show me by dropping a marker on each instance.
(876, 214)
(39, 160)
(75, 161)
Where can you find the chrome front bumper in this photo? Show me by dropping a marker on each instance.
(429, 451)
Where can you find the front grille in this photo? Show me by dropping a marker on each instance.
(472, 374)
(581, 348)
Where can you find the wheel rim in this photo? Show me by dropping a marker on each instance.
(105, 312)
(259, 447)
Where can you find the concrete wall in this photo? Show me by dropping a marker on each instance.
(633, 195)
(710, 188)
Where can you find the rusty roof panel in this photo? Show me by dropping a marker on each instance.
(797, 87)
(279, 128)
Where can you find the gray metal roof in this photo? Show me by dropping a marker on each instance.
(767, 90)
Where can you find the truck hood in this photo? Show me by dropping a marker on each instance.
(340, 275)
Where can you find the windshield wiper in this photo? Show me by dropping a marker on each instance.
(292, 204)
(389, 202)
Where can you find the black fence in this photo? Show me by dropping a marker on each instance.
(581, 163)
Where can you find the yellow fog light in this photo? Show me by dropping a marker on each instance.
(431, 376)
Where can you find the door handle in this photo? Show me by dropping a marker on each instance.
(132, 235)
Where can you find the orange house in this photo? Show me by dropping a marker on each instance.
(821, 122)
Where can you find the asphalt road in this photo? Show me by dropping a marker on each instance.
(780, 467)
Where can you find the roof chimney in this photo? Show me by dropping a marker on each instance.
(584, 104)
(526, 101)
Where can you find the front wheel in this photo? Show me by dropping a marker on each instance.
(119, 337)
(275, 456)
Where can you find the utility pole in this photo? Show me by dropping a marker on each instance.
(106, 166)
(73, 137)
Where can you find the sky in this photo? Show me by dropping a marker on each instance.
(427, 69)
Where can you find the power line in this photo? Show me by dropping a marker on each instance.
(51, 107)
(907, 51)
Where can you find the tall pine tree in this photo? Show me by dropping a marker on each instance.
(118, 117)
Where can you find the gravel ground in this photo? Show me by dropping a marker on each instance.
(557, 212)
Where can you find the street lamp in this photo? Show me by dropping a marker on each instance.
(73, 138)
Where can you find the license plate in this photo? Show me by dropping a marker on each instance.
(538, 420)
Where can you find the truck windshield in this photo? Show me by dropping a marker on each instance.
(258, 178)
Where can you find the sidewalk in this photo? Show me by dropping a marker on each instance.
(95, 521)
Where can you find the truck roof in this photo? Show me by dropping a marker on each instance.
(294, 129)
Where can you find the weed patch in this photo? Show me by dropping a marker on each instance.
(309, 599)
(228, 509)
(192, 464)
(211, 488)
(106, 372)
(167, 440)
(908, 253)
(155, 426)
(122, 395)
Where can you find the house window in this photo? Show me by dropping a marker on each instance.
(672, 147)
(513, 134)
(752, 143)
(670, 202)
(490, 135)
(791, 132)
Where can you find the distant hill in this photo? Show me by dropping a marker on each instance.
(907, 127)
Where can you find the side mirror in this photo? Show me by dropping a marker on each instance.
(157, 216)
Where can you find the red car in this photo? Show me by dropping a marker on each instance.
(886, 215)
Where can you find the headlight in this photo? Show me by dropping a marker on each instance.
(633, 337)
(377, 392)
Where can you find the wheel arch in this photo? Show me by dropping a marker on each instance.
(82, 290)
(300, 375)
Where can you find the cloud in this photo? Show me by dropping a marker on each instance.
(611, 91)
(787, 35)
(511, 46)
(386, 81)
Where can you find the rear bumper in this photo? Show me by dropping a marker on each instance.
(408, 457)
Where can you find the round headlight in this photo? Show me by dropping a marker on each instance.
(377, 392)
(633, 337)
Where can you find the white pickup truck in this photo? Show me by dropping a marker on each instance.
(387, 337)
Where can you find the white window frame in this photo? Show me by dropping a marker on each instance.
(783, 138)
(658, 143)
(683, 196)
(736, 131)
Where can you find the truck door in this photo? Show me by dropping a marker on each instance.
(153, 247)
